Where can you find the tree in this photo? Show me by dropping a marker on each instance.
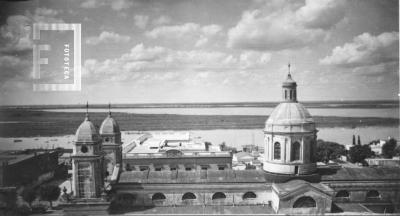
(358, 153)
(329, 150)
(29, 195)
(49, 193)
(389, 148)
(354, 139)
(359, 140)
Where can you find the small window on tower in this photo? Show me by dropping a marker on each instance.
(84, 149)
(107, 139)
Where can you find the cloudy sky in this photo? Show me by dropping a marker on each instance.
(210, 51)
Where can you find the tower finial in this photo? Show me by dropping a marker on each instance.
(289, 67)
(87, 110)
(109, 108)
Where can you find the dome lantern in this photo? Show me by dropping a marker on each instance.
(289, 92)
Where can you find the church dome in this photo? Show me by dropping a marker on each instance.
(87, 132)
(290, 113)
(109, 126)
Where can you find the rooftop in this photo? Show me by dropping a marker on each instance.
(361, 174)
(201, 176)
(160, 142)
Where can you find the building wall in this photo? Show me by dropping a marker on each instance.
(204, 193)
(389, 191)
(285, 164)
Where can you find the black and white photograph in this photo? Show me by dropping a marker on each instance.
(199, 107)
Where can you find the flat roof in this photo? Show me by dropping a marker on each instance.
(158, 142)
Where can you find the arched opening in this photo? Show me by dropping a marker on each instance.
(277, 151)
(218, 196)
(295, 151)
(294, 94)
(285, 94)
(158, 197)
(373, 194)
(249, 195)
(343, 194)
(291, 96)
(188, 196)
(305, 202)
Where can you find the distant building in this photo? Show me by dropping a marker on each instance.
(377, 146)
(385, 162)
(175, 151)
(242, 158)
(249, 148)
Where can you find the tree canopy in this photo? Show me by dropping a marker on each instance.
(358, 153)
(389, 148)
(329, 150)
(49, 193)
(29, 195)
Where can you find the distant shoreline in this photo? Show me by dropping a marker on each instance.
(368, 104)
(30, 123)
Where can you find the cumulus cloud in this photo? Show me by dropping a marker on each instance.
(162, 20)
(116, 5)
(141, 21)
(161, 59)
(16, 44)
(173, 30)
(191, 31)
(286, 25)
(107, 37)
(365, 49)
(321, 13)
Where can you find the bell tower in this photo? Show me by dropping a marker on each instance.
(111, 144)
(86, 161)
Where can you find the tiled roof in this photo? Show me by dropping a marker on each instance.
(361, 174)
(201, 176)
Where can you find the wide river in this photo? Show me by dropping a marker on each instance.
(344, 112)
(232, 137)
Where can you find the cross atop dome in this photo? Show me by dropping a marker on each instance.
(109, 109)
(87, 111)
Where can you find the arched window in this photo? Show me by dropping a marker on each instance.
(295, 151)
(158, 197)
(305, 202)
(294, 94)
(343, 194)
(291, 94)
(373, 194)
(249, 195)
(218, 196)
(277, 151)
(188, 196)
(285, 94)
